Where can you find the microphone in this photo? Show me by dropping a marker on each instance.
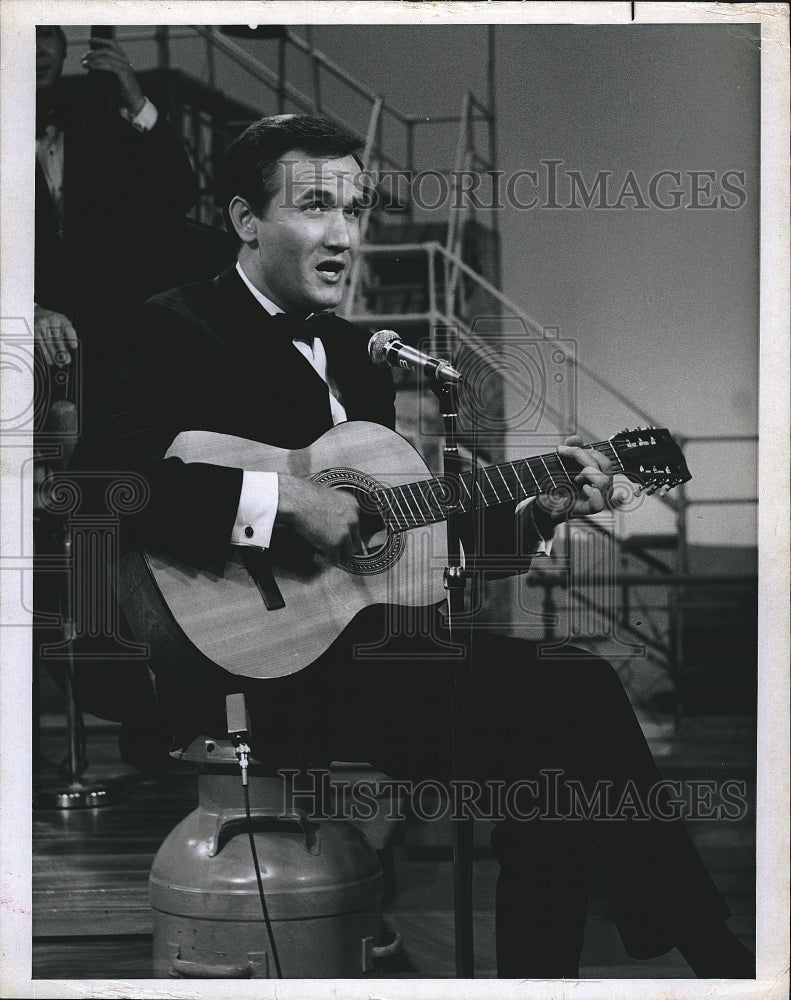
(385, 348)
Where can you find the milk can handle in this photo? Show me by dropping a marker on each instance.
(208, 970)
(230, 823)
(372, 952)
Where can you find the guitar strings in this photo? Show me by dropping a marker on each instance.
(435, 496)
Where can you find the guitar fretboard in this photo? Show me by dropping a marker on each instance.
(431, 500)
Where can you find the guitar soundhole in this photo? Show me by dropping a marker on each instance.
(373, 531)
(381, 549)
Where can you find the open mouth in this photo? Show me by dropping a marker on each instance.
(331, 270)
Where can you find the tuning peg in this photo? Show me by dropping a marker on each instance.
(651, 490)
(638, 492)
(665, 490)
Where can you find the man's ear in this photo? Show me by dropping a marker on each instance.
(243, 219)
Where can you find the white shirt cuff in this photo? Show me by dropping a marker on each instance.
(255, 516)
(542, 546)
(144, 120)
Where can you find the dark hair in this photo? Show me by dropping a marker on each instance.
(249, 167)
(59, 32)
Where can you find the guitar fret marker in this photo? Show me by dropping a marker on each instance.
(494, 489)
(400, 513)
(406, 501)
(386, 495)
(500, 470)
(412, 487)
(519, 480)
(541, 458)
(618, 461)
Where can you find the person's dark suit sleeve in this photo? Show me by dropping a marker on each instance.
(163, 155)
(191, 507)
(160, 162)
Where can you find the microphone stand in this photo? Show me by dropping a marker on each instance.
(75, 789)
(455, 583)
(72, 789)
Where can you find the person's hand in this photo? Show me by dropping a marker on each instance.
(54, 336)
(108, 55)
(326, 518)
(592, 486)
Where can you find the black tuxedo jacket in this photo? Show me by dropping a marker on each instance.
(206, 356)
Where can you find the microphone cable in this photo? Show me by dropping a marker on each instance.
(238, 730)
(261, 896)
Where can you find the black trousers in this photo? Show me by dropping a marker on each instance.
(563, 724)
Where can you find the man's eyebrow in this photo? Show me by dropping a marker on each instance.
(310, 190)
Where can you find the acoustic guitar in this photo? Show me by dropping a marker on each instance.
(273, 612)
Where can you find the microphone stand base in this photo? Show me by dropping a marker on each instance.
(80, 794)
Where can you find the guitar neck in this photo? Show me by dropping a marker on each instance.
(431, 500)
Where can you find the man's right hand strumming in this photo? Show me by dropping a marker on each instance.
(326, 518)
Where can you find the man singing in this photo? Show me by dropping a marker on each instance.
(257, 353)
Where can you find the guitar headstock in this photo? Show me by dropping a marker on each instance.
(651, 458)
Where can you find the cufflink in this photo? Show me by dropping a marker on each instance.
(248, 532)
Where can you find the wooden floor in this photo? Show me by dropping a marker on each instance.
(90, 867)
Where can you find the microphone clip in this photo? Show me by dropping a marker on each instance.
(238, 721)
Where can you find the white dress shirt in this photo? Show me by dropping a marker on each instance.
(255, 516)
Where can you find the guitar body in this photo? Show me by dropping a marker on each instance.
(226, 616)
(271, 613)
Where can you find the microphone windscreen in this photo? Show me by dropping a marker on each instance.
(378, 345)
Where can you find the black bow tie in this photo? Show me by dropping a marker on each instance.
(291, 327)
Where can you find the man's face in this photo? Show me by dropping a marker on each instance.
(308, 233)
(50, 54)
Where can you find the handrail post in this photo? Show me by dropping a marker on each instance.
(315, 70)
(281, 75)
(454, 240)
(678, 601)
(162, 36)
(410, 160)
(210, 61)
(432, 294)
(491, 81)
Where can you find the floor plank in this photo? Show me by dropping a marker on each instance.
(92, 918)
